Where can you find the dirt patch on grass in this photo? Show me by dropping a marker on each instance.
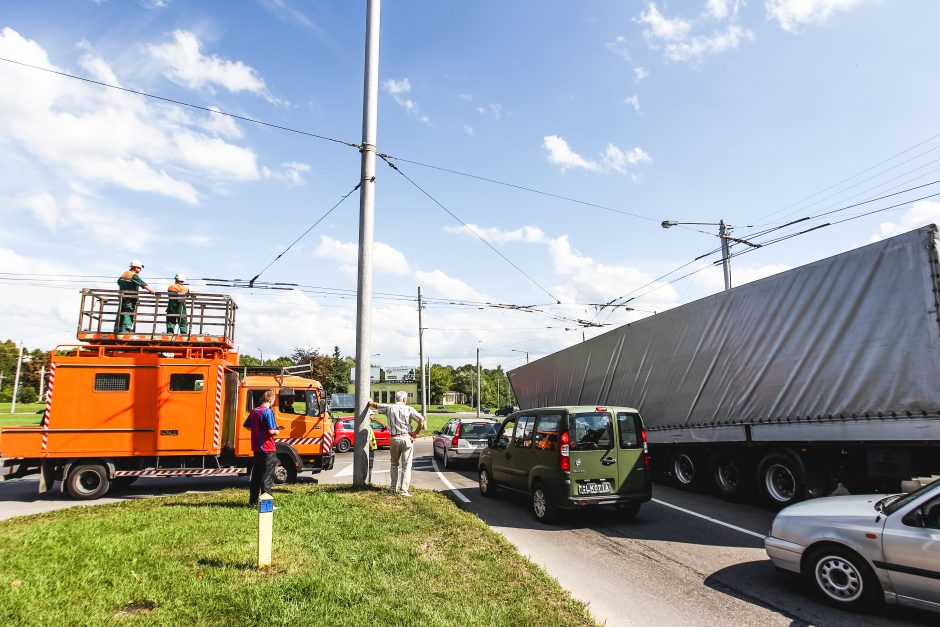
(137, 608)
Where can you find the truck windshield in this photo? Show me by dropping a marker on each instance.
(590, 431)
(298, 402)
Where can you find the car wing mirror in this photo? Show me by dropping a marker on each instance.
(915, 518)
(490, 441)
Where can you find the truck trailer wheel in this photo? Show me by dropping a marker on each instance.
(781, 479)
(731, 474)
(685, 470)
(87, 481)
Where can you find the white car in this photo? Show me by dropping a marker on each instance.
(858, 550)
(462, 439)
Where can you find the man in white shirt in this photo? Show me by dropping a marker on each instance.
(400, 416)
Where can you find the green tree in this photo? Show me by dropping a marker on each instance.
(28, 395)
(440, 381)
(337, 380)
(248, 360)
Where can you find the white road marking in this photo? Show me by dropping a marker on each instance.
(348, 470)
(449, 484)
(709, 519)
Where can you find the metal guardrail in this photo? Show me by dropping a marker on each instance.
(210, 317)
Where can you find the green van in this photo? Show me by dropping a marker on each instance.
(570, 458)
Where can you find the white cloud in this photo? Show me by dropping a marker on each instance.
(468, 130)
(184, 63)
(292, 173)
(397, 90)
(921, 212)
(220, 124)
(674, 35)
(385, 258)
(613, 159)
(43, 207)
(722, 9)
(447, 286)
(619, 47)
(633, 101)
(793, 15)
(496, 235)
(640, 73)
(712, 278)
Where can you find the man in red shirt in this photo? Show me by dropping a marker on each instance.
(263, 430)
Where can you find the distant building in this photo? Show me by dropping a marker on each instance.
(454, 398)
(385, 392)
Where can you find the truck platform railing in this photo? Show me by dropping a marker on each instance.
(116, 316)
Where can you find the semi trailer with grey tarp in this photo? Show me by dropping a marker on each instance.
(785, 387)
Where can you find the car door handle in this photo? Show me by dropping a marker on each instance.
(607, 461)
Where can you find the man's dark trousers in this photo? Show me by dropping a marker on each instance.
(262, 475)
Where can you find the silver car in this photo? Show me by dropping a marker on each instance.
(857, 550)
(462, 439)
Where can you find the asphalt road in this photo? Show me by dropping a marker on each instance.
(686, 559)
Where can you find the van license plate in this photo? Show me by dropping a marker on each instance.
(594, 488)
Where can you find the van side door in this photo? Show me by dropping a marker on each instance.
(524, 453)
(501, 454)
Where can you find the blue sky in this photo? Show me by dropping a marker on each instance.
(693, 111)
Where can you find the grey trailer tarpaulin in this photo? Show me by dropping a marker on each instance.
(836, 348)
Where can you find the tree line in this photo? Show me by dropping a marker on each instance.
(34, 360)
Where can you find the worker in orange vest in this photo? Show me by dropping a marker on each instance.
(130, 282)
(176, 306)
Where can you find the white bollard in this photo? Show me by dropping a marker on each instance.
(265, 529)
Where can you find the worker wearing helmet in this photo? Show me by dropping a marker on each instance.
(176, 306)
(129, 283)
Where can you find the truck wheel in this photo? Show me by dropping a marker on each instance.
(542, 507)
(684, 468)
(284, 472)
(730, 474)
(87, 482)
(841, 577)
(781, 479)
(487, 487)
(343, 445)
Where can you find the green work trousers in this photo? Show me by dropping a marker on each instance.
(124, 323)
(177, 318)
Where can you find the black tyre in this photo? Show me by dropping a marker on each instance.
(842, 578)
(87, 482)
(781, 479)
(487, 487)
(343, 445)
(446, 463)
(731, 475)
(542, 508)
(285, 471)
(627, 510)
(685, 470)
(122, 483)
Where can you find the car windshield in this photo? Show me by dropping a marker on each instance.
(478, 430)
(893, 503)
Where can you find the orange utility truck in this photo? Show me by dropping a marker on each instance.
(124, 405)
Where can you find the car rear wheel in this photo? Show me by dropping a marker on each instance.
(487, 487)
(87, 481)
(542, 507)
(841, 578)
(446, 461)
(343, 445)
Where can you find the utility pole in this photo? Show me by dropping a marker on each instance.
(478, 381)
(16, 380)
(497, 392)
(42, 383)
(427, 390)
(424, 407)
(370, 110)
(725, 253)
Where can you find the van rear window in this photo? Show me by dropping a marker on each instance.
(590, 431)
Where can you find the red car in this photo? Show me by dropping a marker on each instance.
(344, 434)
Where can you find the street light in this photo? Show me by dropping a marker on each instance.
(516, 350)
(260, 352)
(723, 235)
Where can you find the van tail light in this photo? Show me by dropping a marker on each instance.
(646, 448)
(456, 436)
(564, 458)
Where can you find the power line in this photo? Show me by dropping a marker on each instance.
(304, 234)
(387, 160)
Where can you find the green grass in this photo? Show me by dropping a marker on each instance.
(25, 414)
(341, 557)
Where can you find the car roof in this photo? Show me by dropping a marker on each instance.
(480, 419)
(578, 409)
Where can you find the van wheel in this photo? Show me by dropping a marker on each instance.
(685, 470)
(87, 481)
(487, 487)
(343, 445)
(731, 476)
(842, 578)
(781, 479)
(542, 507)
(284, 472)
